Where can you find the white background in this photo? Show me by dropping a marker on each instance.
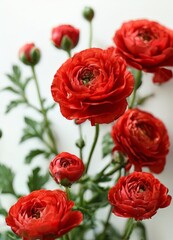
(23, 21)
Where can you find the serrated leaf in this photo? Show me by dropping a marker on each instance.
(32, 154)
(37, 181)
(107, 144)
(6, 179)
(14, 104)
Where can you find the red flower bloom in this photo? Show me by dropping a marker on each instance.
(93, 85)
(64, 33)
(29, 54)
(138, 195)
(148, 46)
(143, 138)
(43, 214)
(66, 168)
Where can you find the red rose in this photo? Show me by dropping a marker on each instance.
(138, 195)
(66, 168)
(43, 214)
(65, 36)
(29, 54)
(93, 85)
(148, 46)
(143, 138)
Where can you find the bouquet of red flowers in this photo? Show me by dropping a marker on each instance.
(98, 87)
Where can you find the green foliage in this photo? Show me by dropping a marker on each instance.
(107, 144)
(6, 179)
(18, 87)
(32, 154)
(36, 180)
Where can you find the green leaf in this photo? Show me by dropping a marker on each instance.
(16, 71)
(6, 179)
(14, 104)
(26, 136)
(37, 181)
(32, 154)
(107, 144)
(27, 80)
(11, 89)
(3, 212)
(8, 235)
(34, 127)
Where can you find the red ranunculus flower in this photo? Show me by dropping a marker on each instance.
(93, 85)
(64, 33)
(148, 46)
(143, 138)
(138, 195)
(29, 54)
(43, 214)
(66, 168)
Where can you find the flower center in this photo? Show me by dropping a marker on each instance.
(64, 163)
(146, 35)
(35, 211)
(146, 131)
(142, 188)
(86, 76)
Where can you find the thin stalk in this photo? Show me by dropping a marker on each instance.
(129, 229)
(90, 34)
(66, 237)
(106, 224)
(81, 138)
(44, 112)
(137, 85)
(69, 53)
(93, 147)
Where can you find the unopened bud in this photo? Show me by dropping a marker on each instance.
(88, 13)
(29, 54)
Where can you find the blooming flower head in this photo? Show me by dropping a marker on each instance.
(29, 54)
(143, 138)
(65, 37)
(43, 214)
(93, 85)
(66, 168)
(138, 195)
(146, 45)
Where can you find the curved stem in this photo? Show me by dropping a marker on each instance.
(44, 112)
(93, 147)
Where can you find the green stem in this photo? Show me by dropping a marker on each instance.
(81, 139)
(90, 34)
(47, 124)
(115, 170)
(106, 224)
(66, 237)
(142, 228)
(69, 53)
(93, 147)
(129, 229)
(138, 82)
